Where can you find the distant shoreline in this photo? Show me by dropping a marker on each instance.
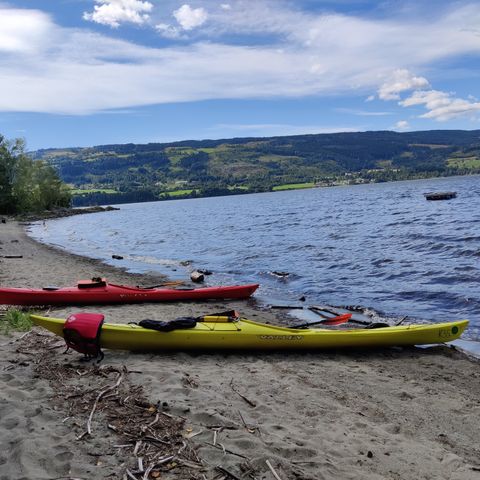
(224, 194)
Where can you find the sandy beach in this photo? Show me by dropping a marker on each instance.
(401, 413)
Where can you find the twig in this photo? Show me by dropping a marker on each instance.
(99, 397)
(249, 430)
(225, 450)
(131, 475)
(156, 440)
(146, 475)
(227, 472)
(16, 339)
(250, 402)
(189, 463)
(275, 474)
(154, 421)
(137, 447)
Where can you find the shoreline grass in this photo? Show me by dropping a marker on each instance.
(15, 320)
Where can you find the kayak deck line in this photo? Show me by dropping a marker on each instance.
(246, 334)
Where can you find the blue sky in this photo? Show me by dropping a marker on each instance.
(91, 72)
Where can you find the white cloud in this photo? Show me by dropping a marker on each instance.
(272, 129)
(441, 106)
(362, 113)
(225, 6)
(402, 126)
(23, 31)
(63, 70)
(400, 81)
(115, 12)
(168, 31)
(190, 18)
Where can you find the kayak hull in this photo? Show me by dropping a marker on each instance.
(249, 335)
(110, 294)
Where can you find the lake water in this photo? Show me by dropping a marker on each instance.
(381, 246)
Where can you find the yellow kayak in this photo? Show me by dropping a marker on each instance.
(220, 333)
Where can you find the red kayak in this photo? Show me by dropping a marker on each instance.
(98, 291)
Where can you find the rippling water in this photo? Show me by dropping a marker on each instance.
(382, 246)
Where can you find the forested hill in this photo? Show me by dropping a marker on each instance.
(131, 172)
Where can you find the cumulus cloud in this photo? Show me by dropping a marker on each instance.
(115, 12)
(402, 125)
(189, 18)
(441, 106)
(401, 80)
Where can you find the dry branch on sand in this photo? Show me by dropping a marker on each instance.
(147, 440)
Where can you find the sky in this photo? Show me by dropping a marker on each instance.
(95, 72)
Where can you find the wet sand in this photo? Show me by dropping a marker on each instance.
(394, 413)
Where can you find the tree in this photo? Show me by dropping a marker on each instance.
(8, 160)
(27, 185)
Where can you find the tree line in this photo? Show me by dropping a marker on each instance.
(28, 185)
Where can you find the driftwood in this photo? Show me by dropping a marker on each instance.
(99, 397)
(287, 307)
(440, 195)
(275, 474)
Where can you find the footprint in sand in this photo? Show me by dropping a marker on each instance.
(10, 423)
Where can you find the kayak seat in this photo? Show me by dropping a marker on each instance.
(95, 282)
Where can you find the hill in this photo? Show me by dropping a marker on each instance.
(131, 172)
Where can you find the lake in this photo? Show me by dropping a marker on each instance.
(381, 246)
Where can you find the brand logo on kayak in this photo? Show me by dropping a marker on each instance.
(444, 333)
(281, 337)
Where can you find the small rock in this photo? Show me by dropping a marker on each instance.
(280, 274)
(117, 257)
(205, 272)
(197, 277)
